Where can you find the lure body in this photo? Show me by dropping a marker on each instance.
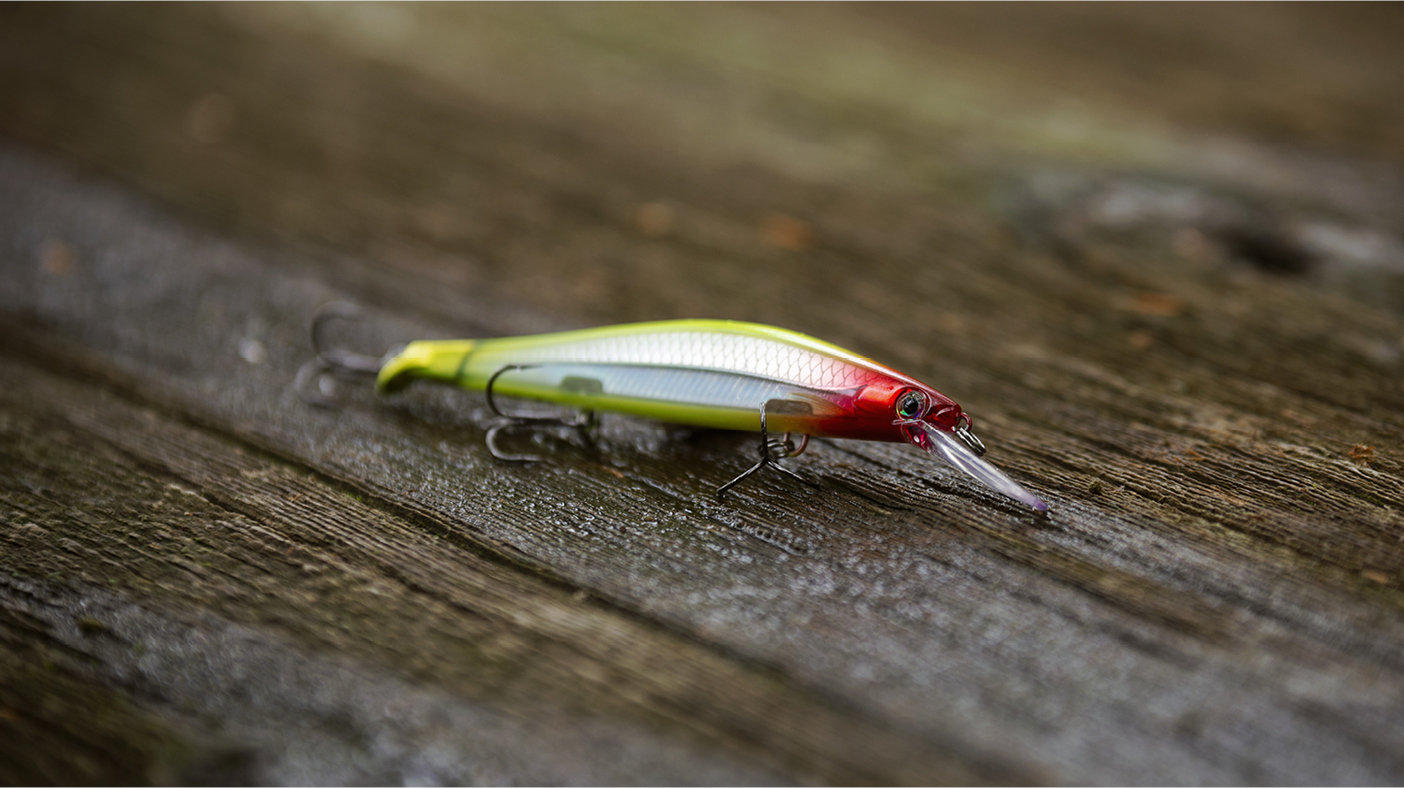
(709, 373)
(705, 373)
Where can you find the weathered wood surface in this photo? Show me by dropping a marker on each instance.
(1159, 259)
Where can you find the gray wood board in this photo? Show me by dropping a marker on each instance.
(246, 583)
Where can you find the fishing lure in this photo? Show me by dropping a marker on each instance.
(706, 373)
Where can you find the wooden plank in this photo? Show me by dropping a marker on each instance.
(1180, 360)
(183, 518)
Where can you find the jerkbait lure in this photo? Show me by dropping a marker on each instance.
(705, 373)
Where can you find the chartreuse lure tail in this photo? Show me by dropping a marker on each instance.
(711, 373)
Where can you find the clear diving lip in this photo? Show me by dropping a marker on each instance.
(945, 446)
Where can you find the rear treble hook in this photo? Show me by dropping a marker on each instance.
(333, 361)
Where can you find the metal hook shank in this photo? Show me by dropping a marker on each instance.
(341, 360)
(770, 451)
(586, 420)
(331, 361)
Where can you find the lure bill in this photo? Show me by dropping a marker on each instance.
(712, 373)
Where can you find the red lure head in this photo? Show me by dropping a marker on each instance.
(878, 409)
(893, 407)
(897, 408)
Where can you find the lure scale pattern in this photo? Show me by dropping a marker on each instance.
(734, 353)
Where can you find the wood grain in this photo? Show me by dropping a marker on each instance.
(1184, 333)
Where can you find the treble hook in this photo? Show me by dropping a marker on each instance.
(332, 360)
(771, 449)
(586, 420)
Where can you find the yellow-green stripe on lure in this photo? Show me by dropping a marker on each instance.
(705, 373)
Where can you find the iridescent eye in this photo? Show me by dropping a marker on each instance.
(911, 405)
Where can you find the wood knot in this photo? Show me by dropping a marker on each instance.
(1362, 454)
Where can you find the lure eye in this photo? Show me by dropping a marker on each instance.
(911, 405)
